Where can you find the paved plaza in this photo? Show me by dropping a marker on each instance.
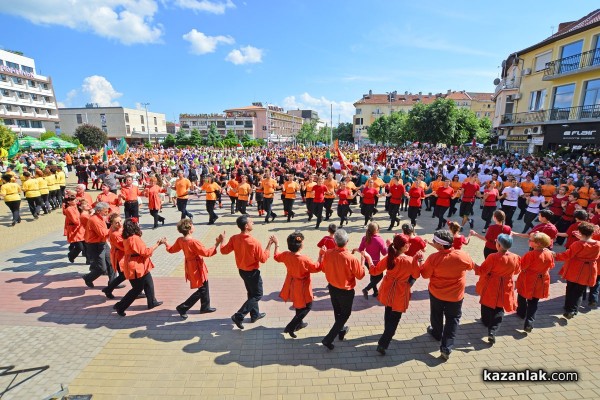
(54, 330)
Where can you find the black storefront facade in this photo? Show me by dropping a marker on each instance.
(576, 136)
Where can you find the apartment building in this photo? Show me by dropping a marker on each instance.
(27, 99)
(548, 95)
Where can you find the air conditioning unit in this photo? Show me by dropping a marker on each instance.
(527, 131)
(510, 97)
(516, 96)
(536, 130)
(527, 71)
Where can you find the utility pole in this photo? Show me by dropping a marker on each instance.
(147, 121)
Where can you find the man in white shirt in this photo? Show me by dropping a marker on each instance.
(511, 195)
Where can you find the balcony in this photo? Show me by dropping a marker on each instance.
(555, 114)
(582, 62)
(504, 84)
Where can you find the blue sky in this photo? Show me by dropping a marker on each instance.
(197, 56)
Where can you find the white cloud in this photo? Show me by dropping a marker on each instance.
(202, 44)
(214, 7)
(100, 91)
(127, 21)
(245, 55)
(344, 109)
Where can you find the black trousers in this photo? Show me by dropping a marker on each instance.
(14, 206)
(210, 208)
(75, 248)
(487, 251)
(522, 204)
(182, 208)
(342, 212)
(268, 206)
(254, 289)
(45, 203)
(526, 309)
(375, 279)
(157, 218)
(146, 284)
(594, 290)
(35, 205)
(439, 211)
(201, 294)
(452, 311)
(529, 218)
(341, 300)
(393, 210)
(367, 211)
(487, 214)
(318, 212)
(241, 206)
(328, 210)
(112, 285)
(298, 318)
(391, 320)
(413, 213)
(99, 257)
(562, 226)
(573, 296)
(132, 209)
(233, 200)
(309, 207)
(492, 318)
(260, 199)
(509, 211)
(53, 199)
(288, 207)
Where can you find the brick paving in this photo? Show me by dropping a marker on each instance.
(48, 317)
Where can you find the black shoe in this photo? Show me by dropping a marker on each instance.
(122, 286)
(237, 322)
(154, 227)
(343, 333)
(71, 260)
(182, 313)
(366, 294)
(211, 222)
(163, 222)
(430, 331)
(569, 315)
(330, 346)
(375, 294)
(158, 303)
(291, 333)
(381, 350)
(120, 312)
(272, 217)
(208, 310)
(592, 304)
(445, 355)
(302, 325)
(108, 293)
(13, 223)
(88, 283)
(528, 328)
(491, 338)
(259, 316)
(471, 223)
(36, 216)
(216, 218)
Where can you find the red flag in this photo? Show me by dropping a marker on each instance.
(343, 160)
(474, 144)
(382, 157)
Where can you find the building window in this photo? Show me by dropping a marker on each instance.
(8, 108)
(103, 119)
(591, 100)
(143, 128)
(155, 121)
(478, 114)
(3, 77)
(23, 108)
(12, 65)
(9, 122)
(5, 92)
(32, 83)
(536, 100)
(596, 48)
(79, 119)
(21, 123)
(228, 122)
(126, 118)
(36, 124)
(21, 95)
(142, 118)
(155, 129)
(34, 96)
(247, 124)
(45, 86)
(104, 129)
(358, 121)
(562, 101)
(358, 111)
(27, 69)
(570, 56)
(127, 129)
(239, 123)
(541, 61)
(16, 80)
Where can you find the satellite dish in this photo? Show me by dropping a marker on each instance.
(503, 64)
(497, 81)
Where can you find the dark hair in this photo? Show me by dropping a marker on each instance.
(7, 177)
(332, 228)
(581, 215)
(574, 194)
(446, 236)
(185, 226)
(408, 229)
(130, 228)
(372, 229)
(586, 229)
(242, 221)
(294, 241)
(394, 249)
(112, 217)
(547, 214)
(500, 216)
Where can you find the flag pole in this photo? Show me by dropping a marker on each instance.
(331, 122)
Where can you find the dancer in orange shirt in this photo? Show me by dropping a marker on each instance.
(195, 267)
(297, 286)
(153, 192)
(495, 285)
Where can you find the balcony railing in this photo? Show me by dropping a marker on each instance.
(505, 84)
(555, 114)
(573, 63)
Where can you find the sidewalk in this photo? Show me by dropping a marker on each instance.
(48, 317)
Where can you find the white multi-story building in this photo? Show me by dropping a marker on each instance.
(27, 99)
(134, 125)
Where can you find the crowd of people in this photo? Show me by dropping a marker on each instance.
(561, 194)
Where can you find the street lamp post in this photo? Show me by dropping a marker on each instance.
(147, 121)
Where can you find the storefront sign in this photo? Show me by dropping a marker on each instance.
(516, 138)
(572, 134)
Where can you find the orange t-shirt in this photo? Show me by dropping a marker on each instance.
(527, 187)
(233, 185)
(96, 230)
(290, 189)
(548, 191)
(331, 185)
(446, 271)
(341, 268)
(310, 194)
(269, 185)
(182, 187)
(248, 251)
(244, 191)
(211, 190)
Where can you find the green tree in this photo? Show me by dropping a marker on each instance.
(182, 138)
(483, 131)
(417, 121)
(307, 133)
(377, 131)
(467, 125)
(7, 136)
(169, 141)
(91, 136)
(343, 132)
(47, 135)
(195, 138)
(231, 135)
(246, 138)
(324, 134)
(397, 129)
(213, 135)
